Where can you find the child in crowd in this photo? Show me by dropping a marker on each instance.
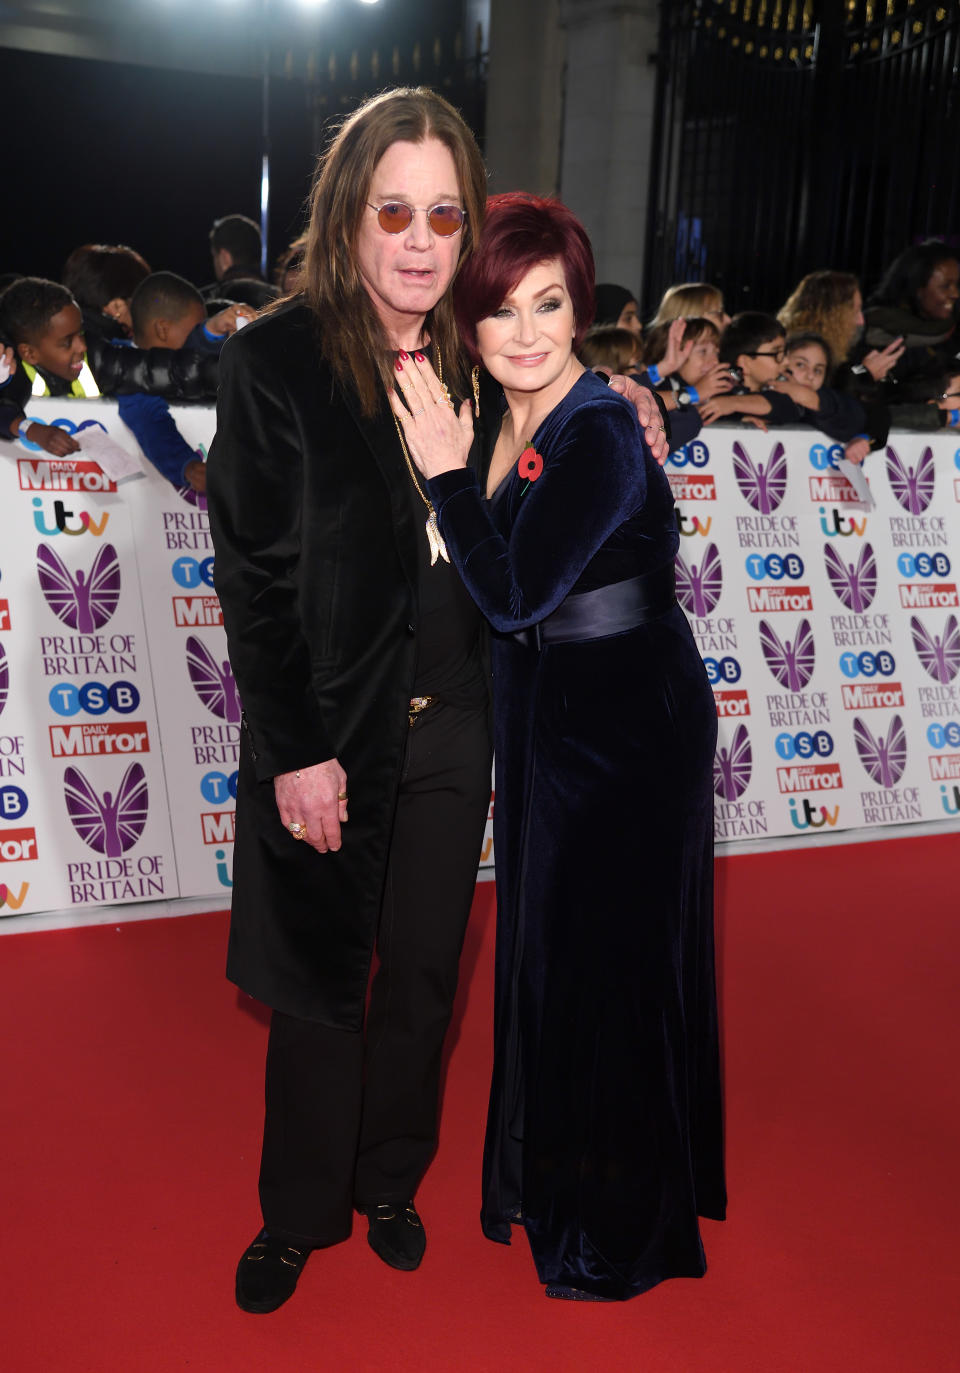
(699, 373)
(41, 324)
(45, 354)
(807, 365)
(754, 348)
(608, 345)
(681, 364)
(165, 310)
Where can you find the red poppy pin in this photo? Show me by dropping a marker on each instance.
(530, 464)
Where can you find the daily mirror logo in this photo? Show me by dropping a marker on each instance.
(99, 740)
(62, 474)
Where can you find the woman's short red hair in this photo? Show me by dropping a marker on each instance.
(519, 231)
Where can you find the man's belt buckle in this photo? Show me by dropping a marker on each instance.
(418, 704)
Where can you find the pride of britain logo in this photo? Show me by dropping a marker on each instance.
(83, 600)
(791, 662)
(699, 588)
(762, 485)
(733, 766)
(939, 654)
(854, 583)
(883, 756)
(912, 486)
(112, 823)
(213, 682)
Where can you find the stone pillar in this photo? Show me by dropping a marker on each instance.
(524, 96)
(608, 128)
(570, 108)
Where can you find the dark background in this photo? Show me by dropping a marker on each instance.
(136, 155)
(118, 151)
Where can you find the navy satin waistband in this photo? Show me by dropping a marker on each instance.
(608, 610)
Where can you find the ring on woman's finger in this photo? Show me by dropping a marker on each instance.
(341, 796)
(297, 830)
(661, 428)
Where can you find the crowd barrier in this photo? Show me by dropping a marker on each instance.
(829, 632)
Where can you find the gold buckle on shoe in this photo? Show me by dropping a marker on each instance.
(418, 704)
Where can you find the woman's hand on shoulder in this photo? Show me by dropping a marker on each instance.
(437, 437)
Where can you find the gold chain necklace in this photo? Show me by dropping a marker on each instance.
(438, 549)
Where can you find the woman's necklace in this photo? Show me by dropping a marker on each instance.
(438, 549)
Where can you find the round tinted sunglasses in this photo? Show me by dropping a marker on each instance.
(395, 216)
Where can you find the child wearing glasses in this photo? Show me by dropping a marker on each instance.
(767, 393)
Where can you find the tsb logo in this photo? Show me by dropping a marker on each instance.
(188, 572)
(13, 803)
(94, 698)
(722, 670)
(693, 454)
(804, 745)
(822, 457)
(217, 788)
(923, 565)
(774, 566)
(868, 664)
(944, 736)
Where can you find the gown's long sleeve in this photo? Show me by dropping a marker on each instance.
(593, 480)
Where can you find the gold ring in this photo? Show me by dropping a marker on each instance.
(341, 796)
(298, 831)
(661, 428)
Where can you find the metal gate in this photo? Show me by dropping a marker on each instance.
(795, 136)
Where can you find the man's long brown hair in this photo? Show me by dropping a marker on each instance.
(353, 339)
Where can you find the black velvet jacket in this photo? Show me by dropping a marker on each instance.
(317, 574)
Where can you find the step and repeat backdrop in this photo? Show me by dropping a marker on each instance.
(828, 626)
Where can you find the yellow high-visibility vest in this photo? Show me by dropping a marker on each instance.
(84, 388)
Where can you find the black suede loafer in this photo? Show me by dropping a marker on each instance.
(396, 1234)
(267, 1273)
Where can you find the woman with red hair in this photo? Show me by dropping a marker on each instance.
(604, 1136)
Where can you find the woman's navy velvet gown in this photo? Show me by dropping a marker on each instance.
(604, 1132)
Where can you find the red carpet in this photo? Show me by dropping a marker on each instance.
(130, 1132)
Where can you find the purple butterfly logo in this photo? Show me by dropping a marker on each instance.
(733, 766)
(855, 583)
(939, 654)
(698, 589)
(913, 487)
(213, 682)
(107, 824)
(763, 487)
(84, 601)
(884, 758)
(4, 678)
(790, 663)
(197, 498)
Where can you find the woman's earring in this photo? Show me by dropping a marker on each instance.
(475, 379)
